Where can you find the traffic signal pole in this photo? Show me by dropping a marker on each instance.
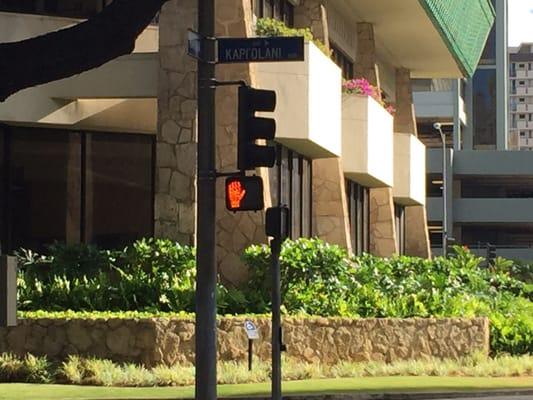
(206, 305)
(275, 246)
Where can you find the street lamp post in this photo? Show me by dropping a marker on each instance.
(438, 127)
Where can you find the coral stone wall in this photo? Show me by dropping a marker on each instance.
(161, 340)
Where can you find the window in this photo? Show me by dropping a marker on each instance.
(484, 107)
(343, 61)
(521, 99)
(521, 65)
(359, 215)
(399, 218)
(522, 116)
(521, 83)
(75, 187)
(281, 10)
(522, 133)
(293, 182)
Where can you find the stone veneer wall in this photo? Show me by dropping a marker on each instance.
(160, 340)
(175, 197)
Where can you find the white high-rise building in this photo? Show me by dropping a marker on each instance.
(521, 96)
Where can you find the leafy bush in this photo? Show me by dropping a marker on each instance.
(158, 276)
(90, 371)
(272, 27)
(30, 369)
(321, 279)
(151, 274)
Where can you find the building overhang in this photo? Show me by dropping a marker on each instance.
(432, 38)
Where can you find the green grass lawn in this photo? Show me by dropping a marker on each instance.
(388, 384)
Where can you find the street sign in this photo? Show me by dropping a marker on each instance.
(251, 330)
(263, 49)
(194, 41)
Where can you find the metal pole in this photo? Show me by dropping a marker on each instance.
(275, 246)
(444, 197)
(206, 305)
(250, 353)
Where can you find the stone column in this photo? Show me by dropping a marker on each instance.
(330, 207)
(175, 193)
(404, 117)
(235, 231)
(382, 227)
(175, 199)
(366, 60)
(416, 229)
(383, 241)
(312, 14)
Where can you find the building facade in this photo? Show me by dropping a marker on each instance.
(521, 97)
(110, 155)
(489, 185)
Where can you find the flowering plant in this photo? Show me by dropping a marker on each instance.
(362, 86)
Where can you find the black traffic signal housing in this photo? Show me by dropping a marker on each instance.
(244, 193)
(251, 155)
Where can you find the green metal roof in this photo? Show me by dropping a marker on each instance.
(464, 26)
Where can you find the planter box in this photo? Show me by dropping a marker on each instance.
(308, 109)
(367, 141)
(409, 170)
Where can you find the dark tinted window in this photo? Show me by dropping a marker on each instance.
(359, 214)
(484, 107)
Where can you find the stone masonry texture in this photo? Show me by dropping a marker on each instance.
(175, 197)
(168, 341)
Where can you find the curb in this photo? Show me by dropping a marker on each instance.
(399, 395)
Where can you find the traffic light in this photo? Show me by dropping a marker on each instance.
(251, 128)
(244, 193)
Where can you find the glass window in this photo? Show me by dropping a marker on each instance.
(399, 216)
(281, 10)
(73, 187)
(118, 205)
(43, 207)
(343, 61)
(294, 175)
(359, 216)
(484, 107)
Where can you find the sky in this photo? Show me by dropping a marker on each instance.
(520, 21)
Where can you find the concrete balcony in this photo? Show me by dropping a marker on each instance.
(524, 124)
(16, 27)
(308, 109)
(367, 141)
(522, 91)
(409, 170)
(523, 107)
(494, 210)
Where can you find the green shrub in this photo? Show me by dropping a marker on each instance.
(316, 277)
(36, 369)
(320, 279)
(272, 27)
(152, 274)
(83, 371)
(11, 368)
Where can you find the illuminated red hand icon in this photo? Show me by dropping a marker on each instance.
(235, 193)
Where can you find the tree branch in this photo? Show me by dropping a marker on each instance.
(70, 51)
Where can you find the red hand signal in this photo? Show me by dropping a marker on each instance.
(235, 194)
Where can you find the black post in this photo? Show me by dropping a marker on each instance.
(250, 353)
(206, 305)
(275, 247)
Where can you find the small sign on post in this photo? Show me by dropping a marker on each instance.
(253, 334)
